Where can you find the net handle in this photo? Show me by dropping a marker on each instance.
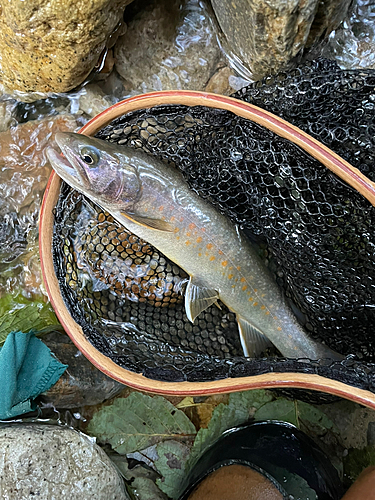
(349, 174)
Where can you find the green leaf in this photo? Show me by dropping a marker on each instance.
(144, 488)
(18, 313)
(138, 421)
(280, 409)
(236, 412)
(140, 480)
(171, 465)
(357, 460)
(314, 419)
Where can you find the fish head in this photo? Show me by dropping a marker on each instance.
(96, 169)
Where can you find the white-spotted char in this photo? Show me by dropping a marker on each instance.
(153, 201)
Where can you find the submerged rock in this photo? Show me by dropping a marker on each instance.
(352, 45)
(168, 45)
(261, 37)
(51, 462)
(24, 175)
(53, 46)
(82, 383)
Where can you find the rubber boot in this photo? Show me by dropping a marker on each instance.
(263, 461)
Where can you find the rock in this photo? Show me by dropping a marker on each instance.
(352, 421)
(82, 383)
(371, 433)
(6, 116)
(52, 46)
(353, 43)
(168, 45)
(219, 83)
(52, 462)
(92, 100)
(262, 37)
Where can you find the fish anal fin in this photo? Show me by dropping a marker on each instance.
(253, 342)
(198, 299)
(157, 224)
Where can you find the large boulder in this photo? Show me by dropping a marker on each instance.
(264, 36)
(50, 462)
(50, 45)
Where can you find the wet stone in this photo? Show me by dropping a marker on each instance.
(168, 45)
(268, 36)
(53, 46)
(82, 383)
(49, 461)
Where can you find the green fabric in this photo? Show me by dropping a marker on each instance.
(27, 368)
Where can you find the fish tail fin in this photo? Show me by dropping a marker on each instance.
(253, 342)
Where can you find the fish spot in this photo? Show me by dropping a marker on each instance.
(188, 234)
(243, 279)
(209, 246)
(255, 304)
(262, 307)
(267, 313)
(224, 263)
(279, 328)
(244, 288)
(212, 258)
(199, 239)
(230, 276)
(172, 218)
(255, 290)
(176, 229)
(238, 268)
(199, 254)
(187, 242)
(220, 252)
(161, 208)
(192, 225)
(177, 238)
(250, 299)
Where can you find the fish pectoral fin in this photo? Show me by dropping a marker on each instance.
(157, 224)
(253, 342)
(197, 299)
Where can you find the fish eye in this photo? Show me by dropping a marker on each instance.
(89, 155)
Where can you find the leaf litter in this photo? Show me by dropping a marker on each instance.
(139, 422)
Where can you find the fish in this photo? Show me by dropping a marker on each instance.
(152, 200)
(124, 302)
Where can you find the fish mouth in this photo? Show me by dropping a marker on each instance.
(60, 164)
(68, 167)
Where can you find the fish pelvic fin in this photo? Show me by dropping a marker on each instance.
(253, 342)
(157, 224)
(198, 299)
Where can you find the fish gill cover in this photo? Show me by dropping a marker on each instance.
(313, 231)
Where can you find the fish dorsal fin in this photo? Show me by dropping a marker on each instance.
(253, 342)
(197, 299)
(157, 224)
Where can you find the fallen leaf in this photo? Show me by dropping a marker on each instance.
(139, 421)
(356, 461)
(280, 409)
(238, 410)
(18, 314)
(171, 465)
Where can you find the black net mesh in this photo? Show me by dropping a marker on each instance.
(312, 230)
